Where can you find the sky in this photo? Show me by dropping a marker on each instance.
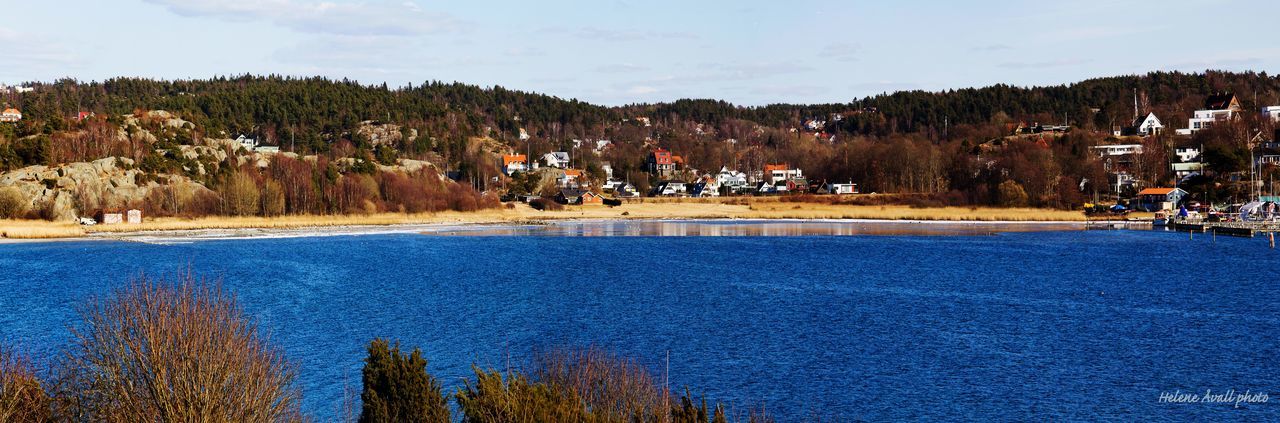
(615, 52)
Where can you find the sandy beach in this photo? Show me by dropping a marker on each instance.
(648, 209)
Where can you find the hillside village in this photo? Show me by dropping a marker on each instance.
(87, 162)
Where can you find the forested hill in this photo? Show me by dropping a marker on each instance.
(316, 109)
(1096, 103)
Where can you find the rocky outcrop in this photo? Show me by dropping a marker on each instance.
(385, 133)
(65, 192)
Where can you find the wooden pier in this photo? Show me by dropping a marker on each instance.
(1241, 229)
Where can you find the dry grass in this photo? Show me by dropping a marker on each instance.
(663, 208)
(38, 229)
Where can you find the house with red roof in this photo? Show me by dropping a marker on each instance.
(1157, 199)
(10, 115)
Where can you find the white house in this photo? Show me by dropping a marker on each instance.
(1187, 153)
(1117, 150)
(524, 135)
(1217, 108)
(849, 188)
(731, 178)
(10, 115)
(512, 163)
(1143, 126)
(557, 159)
(781, 172)
(1271, 112)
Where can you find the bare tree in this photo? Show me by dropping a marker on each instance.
(22, 397)
(181, 351)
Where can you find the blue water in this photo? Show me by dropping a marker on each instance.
(1014, 326)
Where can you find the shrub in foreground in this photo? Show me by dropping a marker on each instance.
(184, 351)
(397, 387)
(22, 398)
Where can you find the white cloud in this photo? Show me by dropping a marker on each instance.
(378, 17)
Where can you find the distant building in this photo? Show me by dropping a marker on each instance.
(781, 172)
(1157, 199)
(660, 163)
(1217, 108)
(1272, 113)
(82, 116)
(1142, 127)
(572, 178)
(833, 188)
(732, 179)
(133, 216)
(557, 159)
(512, 163)
(10, 115)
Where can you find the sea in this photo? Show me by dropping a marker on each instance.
(809, 320)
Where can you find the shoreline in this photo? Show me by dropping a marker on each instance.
(219, 227)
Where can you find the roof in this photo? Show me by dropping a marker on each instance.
(1219, 101)
(12, 111)
(571, 193)
(559, 155)
(572, 172)
(773, 167)
(677, 159)
(662, 157)
(1157, 191)
(508, 159)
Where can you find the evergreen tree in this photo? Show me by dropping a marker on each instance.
(397, 387)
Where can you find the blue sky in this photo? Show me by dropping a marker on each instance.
(618, 52)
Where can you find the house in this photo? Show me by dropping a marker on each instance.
(557, 159)
(1217, 108)
(835, 188)
(1272, 113)
(82, 116)
(780, 172)
(704, 189)
(669, 189)
(626, 190)
(602, 145)
(572, 178)
(1142, 127)
(570, 196)
(10, 115)
(1157, 199)
(524, 135)
(732, 179)
(1187, 153)
(660, 163)
(608, 169)
(133, 216)
(512, 163)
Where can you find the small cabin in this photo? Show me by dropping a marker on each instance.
(133, 216)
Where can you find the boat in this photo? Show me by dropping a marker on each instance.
(1161, 219)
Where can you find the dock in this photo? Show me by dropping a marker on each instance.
(1241, 229)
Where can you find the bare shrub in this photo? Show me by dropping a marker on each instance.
(13, 204)
(184, 351)
(22, 396)
(614, 388)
